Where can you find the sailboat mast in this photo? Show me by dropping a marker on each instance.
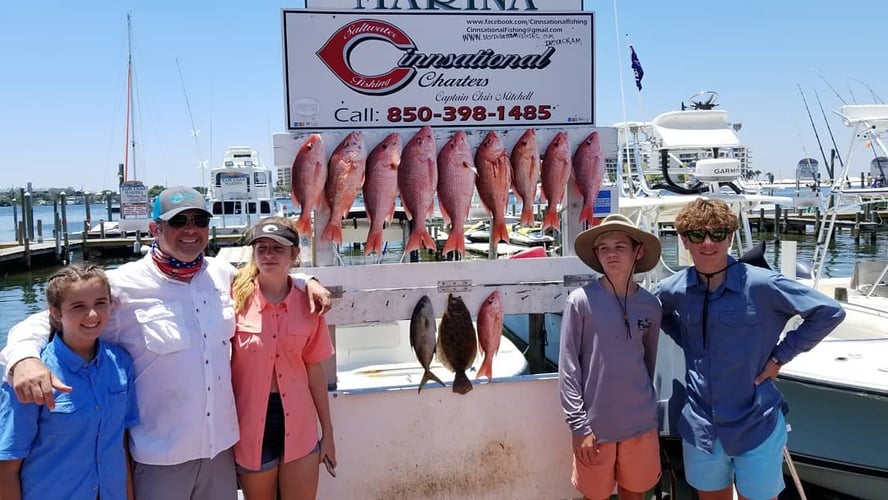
(130, 125)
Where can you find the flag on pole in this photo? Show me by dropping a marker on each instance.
(636, 67)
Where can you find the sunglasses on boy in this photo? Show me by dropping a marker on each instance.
(179, 221)
(698, 235)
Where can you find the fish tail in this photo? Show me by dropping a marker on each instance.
(303, 223)
(527, 216)
(428, 375)
(374, 241)
(461, 383)
(333, 231)
(415, 240)
(500, 231)
(551, 219)
(456, 242)
(420, 237)
(587, 213)
(486, 369)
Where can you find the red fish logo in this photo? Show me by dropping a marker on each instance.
(336, 54)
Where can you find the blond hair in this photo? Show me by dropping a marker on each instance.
(706, 214)
(244, 283)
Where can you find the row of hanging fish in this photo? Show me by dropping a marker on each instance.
(456, 345)
(419, 170)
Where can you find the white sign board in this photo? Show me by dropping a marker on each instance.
(134, 206)
(447, 5)
(368, 70)
(233, 183)
(133, 192)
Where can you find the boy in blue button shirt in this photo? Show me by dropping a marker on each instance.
(727, 317)
(77, 449)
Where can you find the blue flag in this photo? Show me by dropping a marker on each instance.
(636, 67)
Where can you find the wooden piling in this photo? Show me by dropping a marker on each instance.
(15, 221)
(776, 222)
(856, 231)
(86, 206)
(63, 201)
(39, 231)
(27, 215)
(85, 234)
(27, 253)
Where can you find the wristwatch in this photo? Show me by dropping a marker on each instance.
(776, 361)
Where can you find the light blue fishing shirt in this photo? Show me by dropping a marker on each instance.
(746, 315)
(76, 449)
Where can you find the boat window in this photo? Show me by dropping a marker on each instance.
(259, 178)
(248, 163)
(265, 207)
(229, 163)
(251, 207)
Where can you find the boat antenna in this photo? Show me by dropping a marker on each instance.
(816, 135)
(195, 134)
(835, 149)
(829, 85)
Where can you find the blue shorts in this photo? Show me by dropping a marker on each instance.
(758, 473)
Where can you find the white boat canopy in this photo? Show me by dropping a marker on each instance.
(696, 129)
(872, 115)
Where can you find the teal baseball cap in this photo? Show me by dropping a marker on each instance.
(175, 200)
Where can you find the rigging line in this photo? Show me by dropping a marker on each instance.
(831, 136)
(811, 118)
(620, 61)
(829, 85)
(872, 92)
(194, 132)
(622, 104)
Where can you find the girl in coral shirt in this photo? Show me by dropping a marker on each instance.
(279, 383)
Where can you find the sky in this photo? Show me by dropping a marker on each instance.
(63, 83)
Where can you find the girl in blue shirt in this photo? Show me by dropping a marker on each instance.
(76, 449)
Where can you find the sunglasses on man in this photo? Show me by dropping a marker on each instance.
(179, 221)
(698, 235)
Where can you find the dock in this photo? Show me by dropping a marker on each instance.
(15, 255)
(798, 221)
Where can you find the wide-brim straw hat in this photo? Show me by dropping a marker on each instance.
(584, 244)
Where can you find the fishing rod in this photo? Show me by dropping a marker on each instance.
(830, 168)
(829, 85)
(872, 92)
(811, 118)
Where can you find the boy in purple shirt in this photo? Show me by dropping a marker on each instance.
(609, 334)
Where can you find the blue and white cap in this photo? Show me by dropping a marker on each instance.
(174, 200)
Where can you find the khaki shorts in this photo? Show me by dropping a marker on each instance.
(633, 463)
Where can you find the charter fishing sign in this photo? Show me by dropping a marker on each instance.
(369, 69)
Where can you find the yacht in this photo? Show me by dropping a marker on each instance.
(241, 190)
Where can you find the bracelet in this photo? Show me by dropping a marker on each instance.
(776, 361)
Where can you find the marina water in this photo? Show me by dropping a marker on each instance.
(22, 293)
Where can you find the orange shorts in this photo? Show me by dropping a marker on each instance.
(634, 463)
